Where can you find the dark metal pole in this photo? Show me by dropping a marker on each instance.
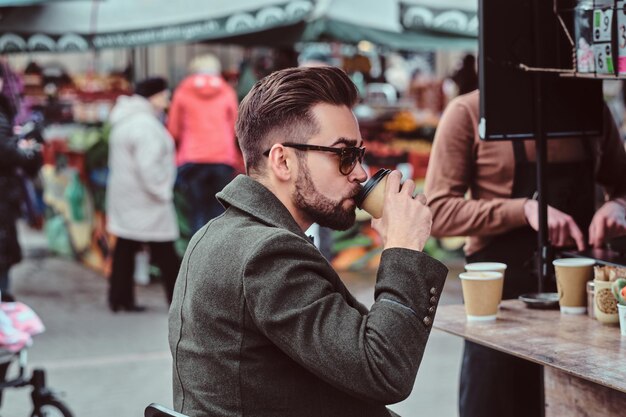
(541, 159)
(542, 189)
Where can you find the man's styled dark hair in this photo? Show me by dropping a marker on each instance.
(279, 108)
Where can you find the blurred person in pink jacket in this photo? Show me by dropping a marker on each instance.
(202, 121)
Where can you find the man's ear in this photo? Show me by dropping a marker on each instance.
(281, 162)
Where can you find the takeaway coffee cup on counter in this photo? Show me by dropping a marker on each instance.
(372, 195)
(482, 293)
(572, 275)
(487, 267)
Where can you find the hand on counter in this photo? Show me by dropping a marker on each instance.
(608, 222)
(562, 229)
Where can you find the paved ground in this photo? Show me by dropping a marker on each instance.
(107, 364)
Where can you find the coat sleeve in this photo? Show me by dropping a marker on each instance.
(449, 177)
(153, 162)
(11, 156)
(6, 127)
(372, 355)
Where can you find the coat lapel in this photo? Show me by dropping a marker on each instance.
(252, 197)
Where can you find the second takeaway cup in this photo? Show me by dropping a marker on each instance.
(487, 267)
(372, 195)
(572, 275)
(482, 293)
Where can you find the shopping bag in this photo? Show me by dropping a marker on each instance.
(18, 323)
(142, 267)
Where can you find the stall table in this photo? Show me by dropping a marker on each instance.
(584, 360)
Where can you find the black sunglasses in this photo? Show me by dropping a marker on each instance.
(348, 156)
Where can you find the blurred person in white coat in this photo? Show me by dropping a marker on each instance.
(140, 208)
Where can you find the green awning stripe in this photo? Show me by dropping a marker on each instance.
(405, 41)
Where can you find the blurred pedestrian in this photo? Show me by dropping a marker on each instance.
(140, 208)
(17, 157)
(202, 121)
(466, 77)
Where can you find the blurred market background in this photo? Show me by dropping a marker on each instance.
(70, 60)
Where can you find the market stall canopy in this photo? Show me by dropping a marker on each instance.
(398, 24)
(448, 17)
(80, 26)
(73, 25)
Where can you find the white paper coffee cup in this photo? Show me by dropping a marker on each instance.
(572, 275)
(482, 293)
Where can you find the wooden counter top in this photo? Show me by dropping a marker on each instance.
(574, 344)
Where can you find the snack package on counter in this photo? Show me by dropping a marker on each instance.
(609, 273)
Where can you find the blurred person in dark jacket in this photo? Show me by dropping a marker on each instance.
(466, 77)
(140, 207)
(17, 157)
(202, 121)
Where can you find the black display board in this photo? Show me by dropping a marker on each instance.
(571, 106)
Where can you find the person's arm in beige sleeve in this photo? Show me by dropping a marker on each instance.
(450, 175)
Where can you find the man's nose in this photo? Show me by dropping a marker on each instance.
(358, 174)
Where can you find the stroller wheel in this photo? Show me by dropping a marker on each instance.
(51, 407)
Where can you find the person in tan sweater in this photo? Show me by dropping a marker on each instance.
(484, 190)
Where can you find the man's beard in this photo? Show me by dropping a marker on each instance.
(319, 208)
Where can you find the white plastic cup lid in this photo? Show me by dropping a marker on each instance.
(574, 262)
(485, 266)
(481, 276)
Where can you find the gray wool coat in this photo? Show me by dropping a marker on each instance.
(261, 324)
